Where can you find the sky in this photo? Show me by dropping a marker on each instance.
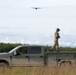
(19, 23)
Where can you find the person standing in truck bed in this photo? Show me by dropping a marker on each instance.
(57, 36)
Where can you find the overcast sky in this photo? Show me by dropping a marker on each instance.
(19, 23)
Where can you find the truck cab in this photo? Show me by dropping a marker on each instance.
(24, 55)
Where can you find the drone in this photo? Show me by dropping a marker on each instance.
(36, 8)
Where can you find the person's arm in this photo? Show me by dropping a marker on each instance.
(58, 35)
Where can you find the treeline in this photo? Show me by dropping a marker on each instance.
(6, 47)
(62, 48)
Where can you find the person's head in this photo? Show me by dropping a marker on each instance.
(58, 29)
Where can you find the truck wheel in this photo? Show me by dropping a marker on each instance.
(65, 63)
(4, 65)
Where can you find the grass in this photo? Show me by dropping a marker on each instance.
(63, 70)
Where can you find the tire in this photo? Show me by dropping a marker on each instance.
(4, 65)
(65, 63)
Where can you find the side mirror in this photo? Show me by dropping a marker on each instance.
(16, 53)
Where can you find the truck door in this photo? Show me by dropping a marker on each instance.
(36, 56)
(20, 57)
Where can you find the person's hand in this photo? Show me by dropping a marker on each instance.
(58, 36)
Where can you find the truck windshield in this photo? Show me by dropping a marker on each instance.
(14, 49)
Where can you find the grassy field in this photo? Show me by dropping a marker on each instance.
(63, 70)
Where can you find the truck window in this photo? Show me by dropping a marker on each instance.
(23, 50)
(35, 50)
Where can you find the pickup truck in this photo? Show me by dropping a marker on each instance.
(35, 55)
